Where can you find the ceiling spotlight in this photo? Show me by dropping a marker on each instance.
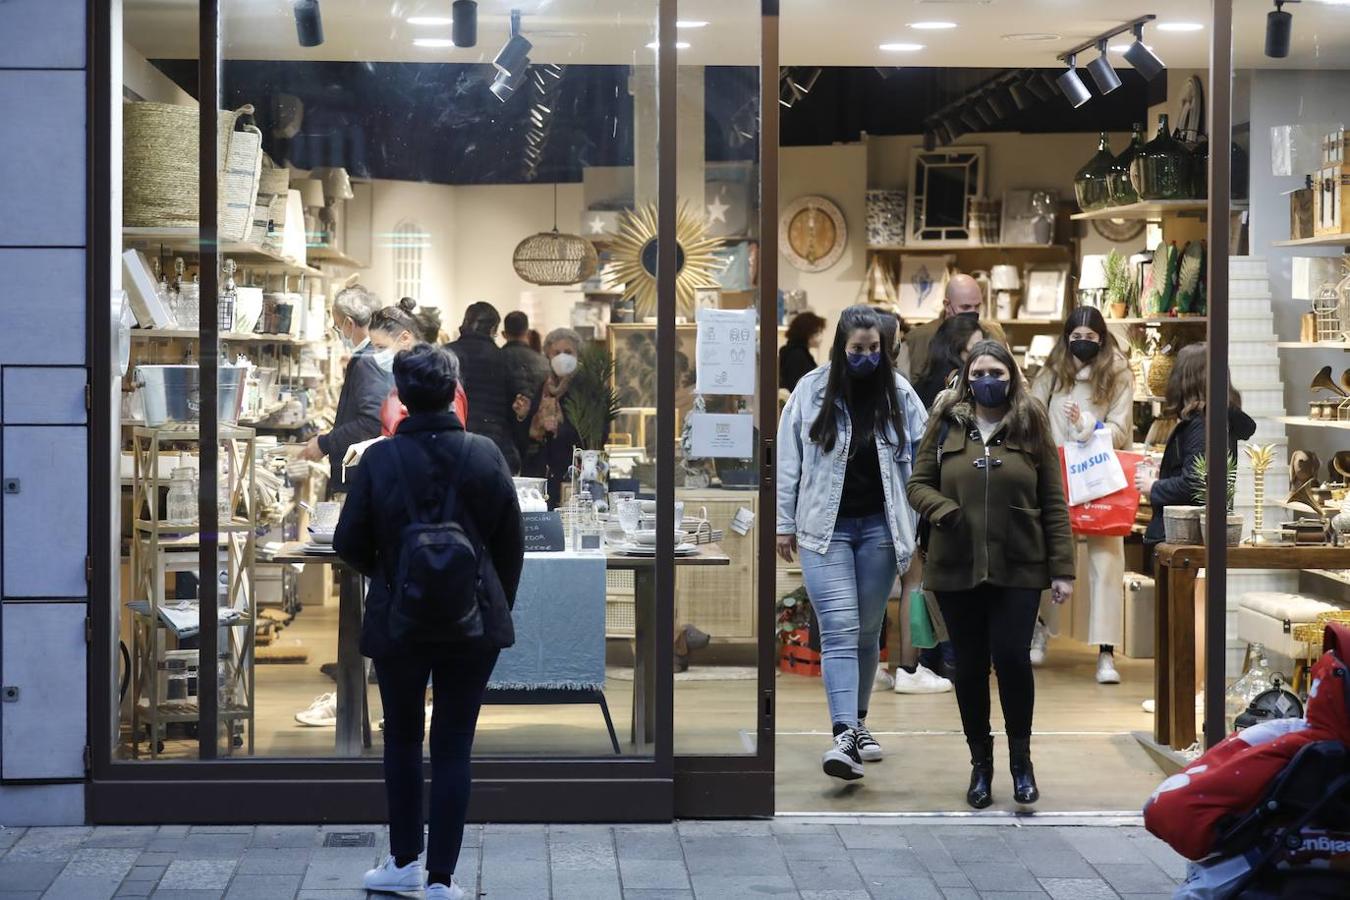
(1001, 102)
(955, 128)
(1142, 57)
(932, 26)
(679, 45)
(691, 23)
(901, 48)
(1101, 71)
(971, 120)
(1071, 85)
(1023, 95)
(464, 23)
(515, 53)
(433, 42)
(1181, 26)
(506, 83)
(308, 23)
(806, 84)
(1039, 89)
(1279, 30)
(788, 91)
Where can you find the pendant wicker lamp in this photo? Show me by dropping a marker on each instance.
(554, 258)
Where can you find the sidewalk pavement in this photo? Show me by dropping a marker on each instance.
(810, 858)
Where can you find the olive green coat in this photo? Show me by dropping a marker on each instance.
(998, 512)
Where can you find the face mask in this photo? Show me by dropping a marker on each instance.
(860, 365)
(564, 364)
(347, 343)
(385, 358)
(1085, 351)
(973, 314)
(990, 391)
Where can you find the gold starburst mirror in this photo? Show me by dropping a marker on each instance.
(634, 255)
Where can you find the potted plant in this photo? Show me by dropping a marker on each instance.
(1121, 291)
(1200, 491)
(590, 403)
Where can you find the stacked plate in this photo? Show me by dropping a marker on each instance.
(649, 550)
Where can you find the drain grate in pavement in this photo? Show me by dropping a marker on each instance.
(349, 839)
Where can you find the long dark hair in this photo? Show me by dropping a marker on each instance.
(840, 386)
(1187, 386)
(944, 353)
(1026, 423)
(1110, 370)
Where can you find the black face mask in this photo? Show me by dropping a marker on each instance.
(973, 315)
(1085, 351)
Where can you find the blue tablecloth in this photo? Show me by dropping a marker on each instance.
(560, 625)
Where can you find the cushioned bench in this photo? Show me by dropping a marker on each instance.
(1268, 618)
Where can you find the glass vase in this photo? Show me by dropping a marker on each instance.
(1118, 179)
(1162, 170)
(1091, 184)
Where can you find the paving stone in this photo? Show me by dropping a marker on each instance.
(211, 846)
(28, 874)
(197, 874)
(135, 889)
(928, 849)
(220, 829)
(77, 887)
(955, 879)
(881, 864)
(263, 887)
(1135, 879)
(835, 895)
(296, 836)
(332, 895)
(188, 895)
(107, 863)
(174, 830)
(722, 887)
(656, 895)
(958, 893)
(586, 885)
(275, 861)
(906, 887)
(812, 845)
(47, 844)
(635, 844)
(20, 895)
(823, 875)
(791, 826)
(337, 870)
(1057, 864)
(716, 829)
(985, 847)
(1012, 895)
(872, 837)
(653, 874)
(145, 873)
(1078, 889)
(991, 876)
(1104, 845)
(573, 852)
(134, 837)
(154, 858)
(735, 855)
(9, 835)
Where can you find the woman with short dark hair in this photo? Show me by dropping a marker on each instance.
(947, 353)
(796, 358)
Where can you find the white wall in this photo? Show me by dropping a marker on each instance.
(432, 208)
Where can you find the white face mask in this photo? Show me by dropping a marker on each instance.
(564, 364)
(385, 358)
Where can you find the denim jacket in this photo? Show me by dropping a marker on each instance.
(810, 485)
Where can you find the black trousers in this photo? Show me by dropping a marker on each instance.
(458, 679)
(992, 623)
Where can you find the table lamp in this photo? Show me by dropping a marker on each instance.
(1005, 281)
(1092, 280)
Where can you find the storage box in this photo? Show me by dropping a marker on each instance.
(1332, 197)
(1301, 217)
(1140, 613)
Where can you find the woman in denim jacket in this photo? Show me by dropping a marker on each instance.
(845, 447)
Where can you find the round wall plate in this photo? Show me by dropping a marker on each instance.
(812, 233)
(1118, 230)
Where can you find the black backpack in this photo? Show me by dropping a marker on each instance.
(444, 587)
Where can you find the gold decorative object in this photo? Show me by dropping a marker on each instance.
(1262, 457)
(1307, 495)
(634, 256)
(812, 233)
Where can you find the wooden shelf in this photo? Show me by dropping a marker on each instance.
(160, 334)
(1313, 345)
(1146, 209)
(234, 526)
(1307, 422)
(335, 257)
(1327, 240)
(1161, 320)
(187, 240)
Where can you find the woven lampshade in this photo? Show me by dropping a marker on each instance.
(553, 258)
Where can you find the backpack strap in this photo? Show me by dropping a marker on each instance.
(451, 503)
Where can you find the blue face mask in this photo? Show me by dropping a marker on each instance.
(990, 391)
(860, 365)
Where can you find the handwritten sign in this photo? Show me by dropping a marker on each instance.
(543, 532)
(726, 351)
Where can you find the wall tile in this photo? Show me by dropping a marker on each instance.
(42, 804)
(42, 306)
(43, 653)
(42, 158)
(42, 34)
(42, 396)
(46, 524)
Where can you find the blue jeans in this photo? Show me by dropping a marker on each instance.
(848, 585)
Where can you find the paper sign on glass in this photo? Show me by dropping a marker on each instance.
(729, 435)
(726, 351)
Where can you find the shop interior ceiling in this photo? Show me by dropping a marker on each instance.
(999, 33)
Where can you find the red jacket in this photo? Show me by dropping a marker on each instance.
(1229, 780)
(394, 411)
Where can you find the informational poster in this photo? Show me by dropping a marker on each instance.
(726, 351)
(726, 435)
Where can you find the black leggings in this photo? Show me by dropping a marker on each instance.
(458, 681)
(996, 623)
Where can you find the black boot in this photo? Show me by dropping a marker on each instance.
(1023, 775)
(981, 792)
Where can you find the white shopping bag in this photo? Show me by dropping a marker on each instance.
(1093, 469)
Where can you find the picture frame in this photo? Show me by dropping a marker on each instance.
(1045, 288)
(941, 186)
(922, 285)
(1029, 216)
(143, 292)
(707, 298)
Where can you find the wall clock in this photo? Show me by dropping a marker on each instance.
(812, 233)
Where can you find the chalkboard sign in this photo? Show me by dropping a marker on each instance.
(543, 532)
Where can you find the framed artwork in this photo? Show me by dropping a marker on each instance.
(707, 298)
(1029, 216)
(885, 218)
(922, 285)
(146, 304)
(941, 186)
(1044, 291)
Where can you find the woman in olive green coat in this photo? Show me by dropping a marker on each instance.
(987, 478)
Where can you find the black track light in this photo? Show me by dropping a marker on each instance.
(971, 120)
(1040, 87)
(1101, 71)
(514, 56)
(1071, 85)
(464, 23)
(1144, 60)
(506, 84)
(308, 23)
(1001, 102)
(985, 110)
(1023, 95)
(955, 128)
(1279, 30)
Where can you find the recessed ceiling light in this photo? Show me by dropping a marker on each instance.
(691, 23)
(1034, 37)
(1121, 48)
(679, 45)
(430, 20)
(932, 26)
(901, 48)
(1180, 26)
(433, 42)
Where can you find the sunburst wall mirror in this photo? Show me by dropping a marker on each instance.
(635, 251)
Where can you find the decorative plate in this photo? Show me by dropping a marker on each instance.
(812, 233)
(1118, 230)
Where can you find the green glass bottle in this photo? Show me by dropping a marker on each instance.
(1118, 181)
(1090, 184)
(1162, 170)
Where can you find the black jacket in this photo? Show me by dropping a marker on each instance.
(369, 533)
(364, 388)
(529, 368)
(486, 374)
(794, 361)
(1175, 486)
(550, 458)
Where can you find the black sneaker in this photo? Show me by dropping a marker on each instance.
(868, 748)
(842, 761)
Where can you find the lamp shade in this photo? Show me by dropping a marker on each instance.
(337, 184)
(1093, 273)
(311, 191)
(1004, 278)
(552, 258)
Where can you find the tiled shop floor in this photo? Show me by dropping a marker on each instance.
(811, 858)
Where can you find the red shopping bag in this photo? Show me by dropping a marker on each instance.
(1112, 515)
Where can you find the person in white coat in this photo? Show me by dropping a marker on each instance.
(1086, 382)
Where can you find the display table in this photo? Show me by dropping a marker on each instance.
(1174, 652)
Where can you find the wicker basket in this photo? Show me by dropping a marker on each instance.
(159, 168)
(1159, 371)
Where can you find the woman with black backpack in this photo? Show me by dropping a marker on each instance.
(433, 506)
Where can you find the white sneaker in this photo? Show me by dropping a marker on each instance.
(390, 878)
(922, 681)
(1039, 636)
(444, 892)
(321, 713)
(1106, 669)
(883, 678)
